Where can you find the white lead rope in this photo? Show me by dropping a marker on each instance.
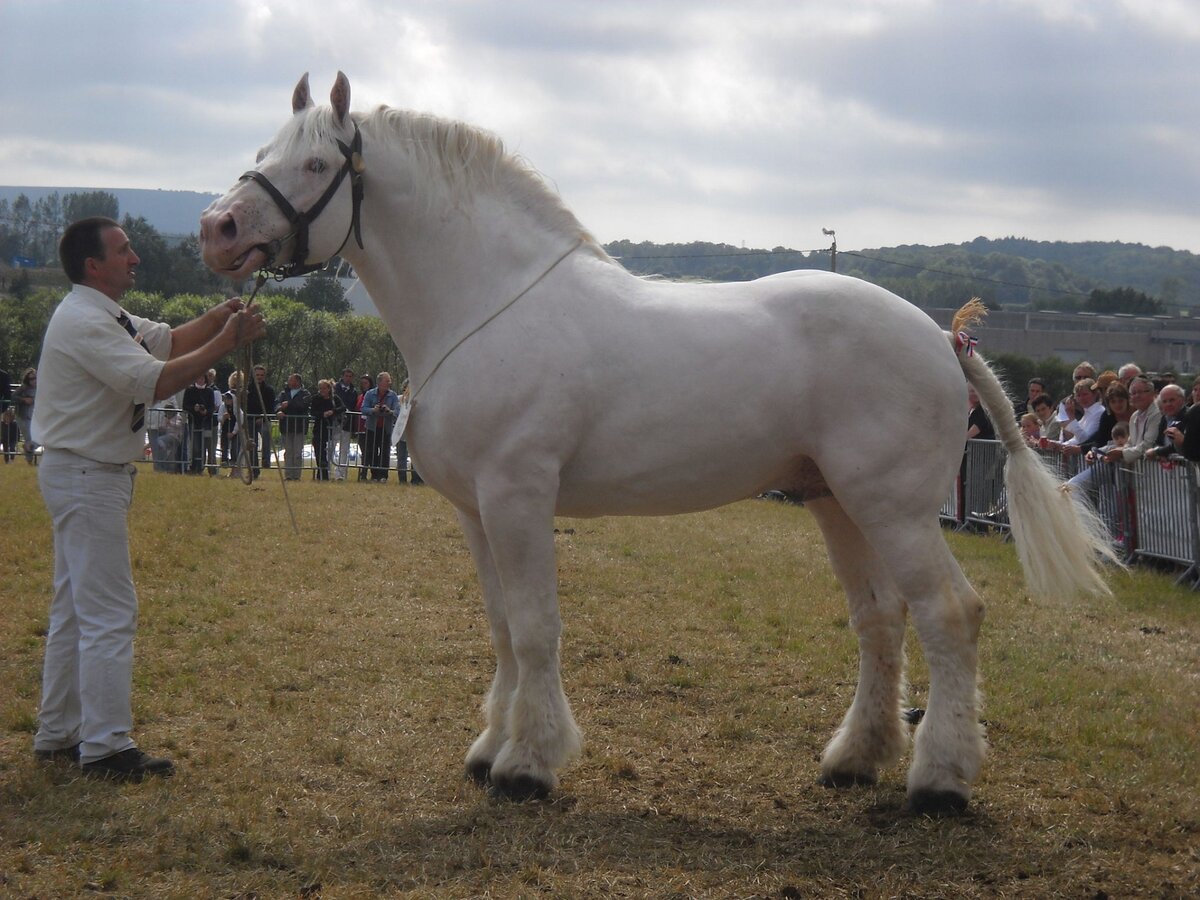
(478, 328)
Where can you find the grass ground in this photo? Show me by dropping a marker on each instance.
(318, 693)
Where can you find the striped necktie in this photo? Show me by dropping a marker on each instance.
(139, 409)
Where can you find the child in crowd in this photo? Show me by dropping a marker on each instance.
(9, 434)
(1120, 436)
(1031, 429)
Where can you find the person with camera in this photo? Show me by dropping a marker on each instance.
(198, 404)
(291, 406)
(1171, 401)
(379, 407)
(100, 369)
(260, 406)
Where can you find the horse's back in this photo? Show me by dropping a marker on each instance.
(708, 393)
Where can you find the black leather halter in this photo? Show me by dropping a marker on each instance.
(353, 166)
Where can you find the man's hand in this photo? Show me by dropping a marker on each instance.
(243, 325)
(222, 311)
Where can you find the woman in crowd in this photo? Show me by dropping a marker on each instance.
(230, 425)
(1116, 409)
(326, 410)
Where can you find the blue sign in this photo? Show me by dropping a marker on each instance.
(24, 262)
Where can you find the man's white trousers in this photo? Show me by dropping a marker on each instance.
(88, 670)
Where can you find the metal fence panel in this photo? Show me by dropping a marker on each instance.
(984, 500)
(1165, 508)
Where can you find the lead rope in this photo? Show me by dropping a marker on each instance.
(554, 265)
(245, 460)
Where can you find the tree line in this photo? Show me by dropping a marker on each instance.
(315, 343)
(945, 276)
(312, 330)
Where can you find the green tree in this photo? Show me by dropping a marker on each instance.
(154, 272)
(84, 204)
(23, 321)
(1123, 300)
(324, 293)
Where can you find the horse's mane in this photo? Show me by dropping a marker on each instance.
(464, 158)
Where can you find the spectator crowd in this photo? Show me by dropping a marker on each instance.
(351, 425)
(1115, 417)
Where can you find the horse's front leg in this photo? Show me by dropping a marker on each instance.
(540, 732)
(504, 683)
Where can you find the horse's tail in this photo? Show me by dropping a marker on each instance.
(1062, 544)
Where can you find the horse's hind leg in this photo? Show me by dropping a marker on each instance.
(949, 747)
(537, 732)
(872, 735)
(495, 708)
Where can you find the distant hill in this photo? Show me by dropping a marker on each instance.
(175, 213)
(1011, 272)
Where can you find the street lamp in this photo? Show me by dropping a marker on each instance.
(829, 232)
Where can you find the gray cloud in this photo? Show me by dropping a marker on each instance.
(760, 122)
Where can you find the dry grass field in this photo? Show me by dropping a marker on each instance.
(318, 693)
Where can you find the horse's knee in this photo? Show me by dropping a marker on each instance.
(974, 612)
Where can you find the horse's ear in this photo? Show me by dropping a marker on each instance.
(339, 97)
(301, 96)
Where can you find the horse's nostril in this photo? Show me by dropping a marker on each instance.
(229, 228)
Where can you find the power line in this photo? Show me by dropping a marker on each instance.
(891, 262)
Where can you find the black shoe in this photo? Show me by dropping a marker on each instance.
(128, 765)
(60, 754)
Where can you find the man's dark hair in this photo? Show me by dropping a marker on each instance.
(1043, 400)
(1038, 381)
(81, 242)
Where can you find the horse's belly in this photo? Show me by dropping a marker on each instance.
(630, 481)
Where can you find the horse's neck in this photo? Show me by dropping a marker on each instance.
(440, 271)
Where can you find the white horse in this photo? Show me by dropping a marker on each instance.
(548, 380)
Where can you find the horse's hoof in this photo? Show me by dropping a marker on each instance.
(520, 788)
(480, 772)
(935, 804)
(846, 779)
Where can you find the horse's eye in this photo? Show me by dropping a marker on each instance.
(316, 166)
(261, 155)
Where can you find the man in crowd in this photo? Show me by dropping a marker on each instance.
(101, 368)
(1035, 389)
(1143, 424)
(1171, 401)
(379, 407)
(292, 408)
(260, 405)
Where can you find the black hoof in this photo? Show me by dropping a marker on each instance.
(846, 779)
(936, 804)
(520, 788)
(480, 773)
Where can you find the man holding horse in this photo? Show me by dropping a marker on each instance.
(101, 367)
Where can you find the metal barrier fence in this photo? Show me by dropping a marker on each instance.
(174, 446)
(1151, 508)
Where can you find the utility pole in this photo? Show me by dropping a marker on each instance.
(829, 232)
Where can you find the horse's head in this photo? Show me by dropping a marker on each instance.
(275, 217)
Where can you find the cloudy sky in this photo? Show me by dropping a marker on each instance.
(756, 123)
